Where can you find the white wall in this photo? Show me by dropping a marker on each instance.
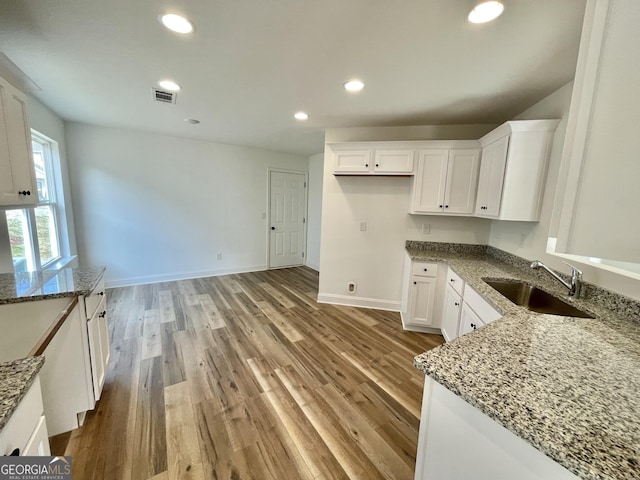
(529, 240)
(153, 207)
(374, 258)
(314, 215)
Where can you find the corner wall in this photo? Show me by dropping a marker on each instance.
(314, 210)
(373, 259)
(154, 208)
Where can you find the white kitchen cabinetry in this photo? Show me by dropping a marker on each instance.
(372, 158)
(56, 329)
(450, 427)
(513, 170)
(98, 332)
(26, 430)
(420, 295)
(476, 312)
(17, 174)
(452, 305)
(446, 181)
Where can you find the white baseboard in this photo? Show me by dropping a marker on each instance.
(363, 302)
(127, 282)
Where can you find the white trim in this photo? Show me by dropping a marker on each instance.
(350, 301)
(420, 329)
(127, 282)
(305, 208)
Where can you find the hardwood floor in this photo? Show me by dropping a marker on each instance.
(247, 377)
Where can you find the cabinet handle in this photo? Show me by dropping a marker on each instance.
(273, 228)
(425, 269)
(366, 164)
(440, 206)
(415, 283)
(452, 280)
(25, 192)
(456, 304)
(102, 314)
(377, 164)
(100, 293)
(473, 325)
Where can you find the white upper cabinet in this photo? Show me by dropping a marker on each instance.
(513, 170)
(446, 181)
(373, 158)
(17, 175)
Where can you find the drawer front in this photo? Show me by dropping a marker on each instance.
(424, 269)
(455, 281)
(95, 297)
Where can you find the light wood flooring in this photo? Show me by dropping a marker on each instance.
(247, 377)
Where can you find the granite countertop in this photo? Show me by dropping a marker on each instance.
(568, 386)
(15, 379)
(46, 284)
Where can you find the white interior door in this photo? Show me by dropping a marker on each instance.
(287, 207)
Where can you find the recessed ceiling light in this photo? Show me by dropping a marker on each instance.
(353, 86)
(176, 23)
(301, 116)
(169, 85)
(485, 12)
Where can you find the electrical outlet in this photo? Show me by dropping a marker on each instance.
(351, 287)
(219, 256)
(363, 226)
(426, 228)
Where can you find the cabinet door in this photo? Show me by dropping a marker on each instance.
(38, 444)
(492, 166)
(462, 181)
(430, 181)
(352, 162)
(393, 162)
(469, 321)
(421, 297)
(17, 175)
(98, 347)
(451, 317)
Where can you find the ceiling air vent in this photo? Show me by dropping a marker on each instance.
(163, 96)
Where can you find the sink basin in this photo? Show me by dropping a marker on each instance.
(535, 299)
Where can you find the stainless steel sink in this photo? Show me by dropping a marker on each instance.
(535, 299)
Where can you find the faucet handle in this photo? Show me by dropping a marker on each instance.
(574, 270)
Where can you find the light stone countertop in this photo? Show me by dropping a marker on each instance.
(47, 284)
(15, 379)
(568, 386)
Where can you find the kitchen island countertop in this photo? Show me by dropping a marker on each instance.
(568, 386)
(47, 284)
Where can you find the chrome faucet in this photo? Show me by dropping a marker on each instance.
(576, 277)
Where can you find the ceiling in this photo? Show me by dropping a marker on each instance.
(251, 64)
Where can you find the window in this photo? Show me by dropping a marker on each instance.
(34, 232)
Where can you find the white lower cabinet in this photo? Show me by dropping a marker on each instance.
(469, 320)
(26, 430)
(420, 306)
(98, 327)
(459, 442)
(451, 316)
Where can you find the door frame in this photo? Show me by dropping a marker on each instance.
(305, 210)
